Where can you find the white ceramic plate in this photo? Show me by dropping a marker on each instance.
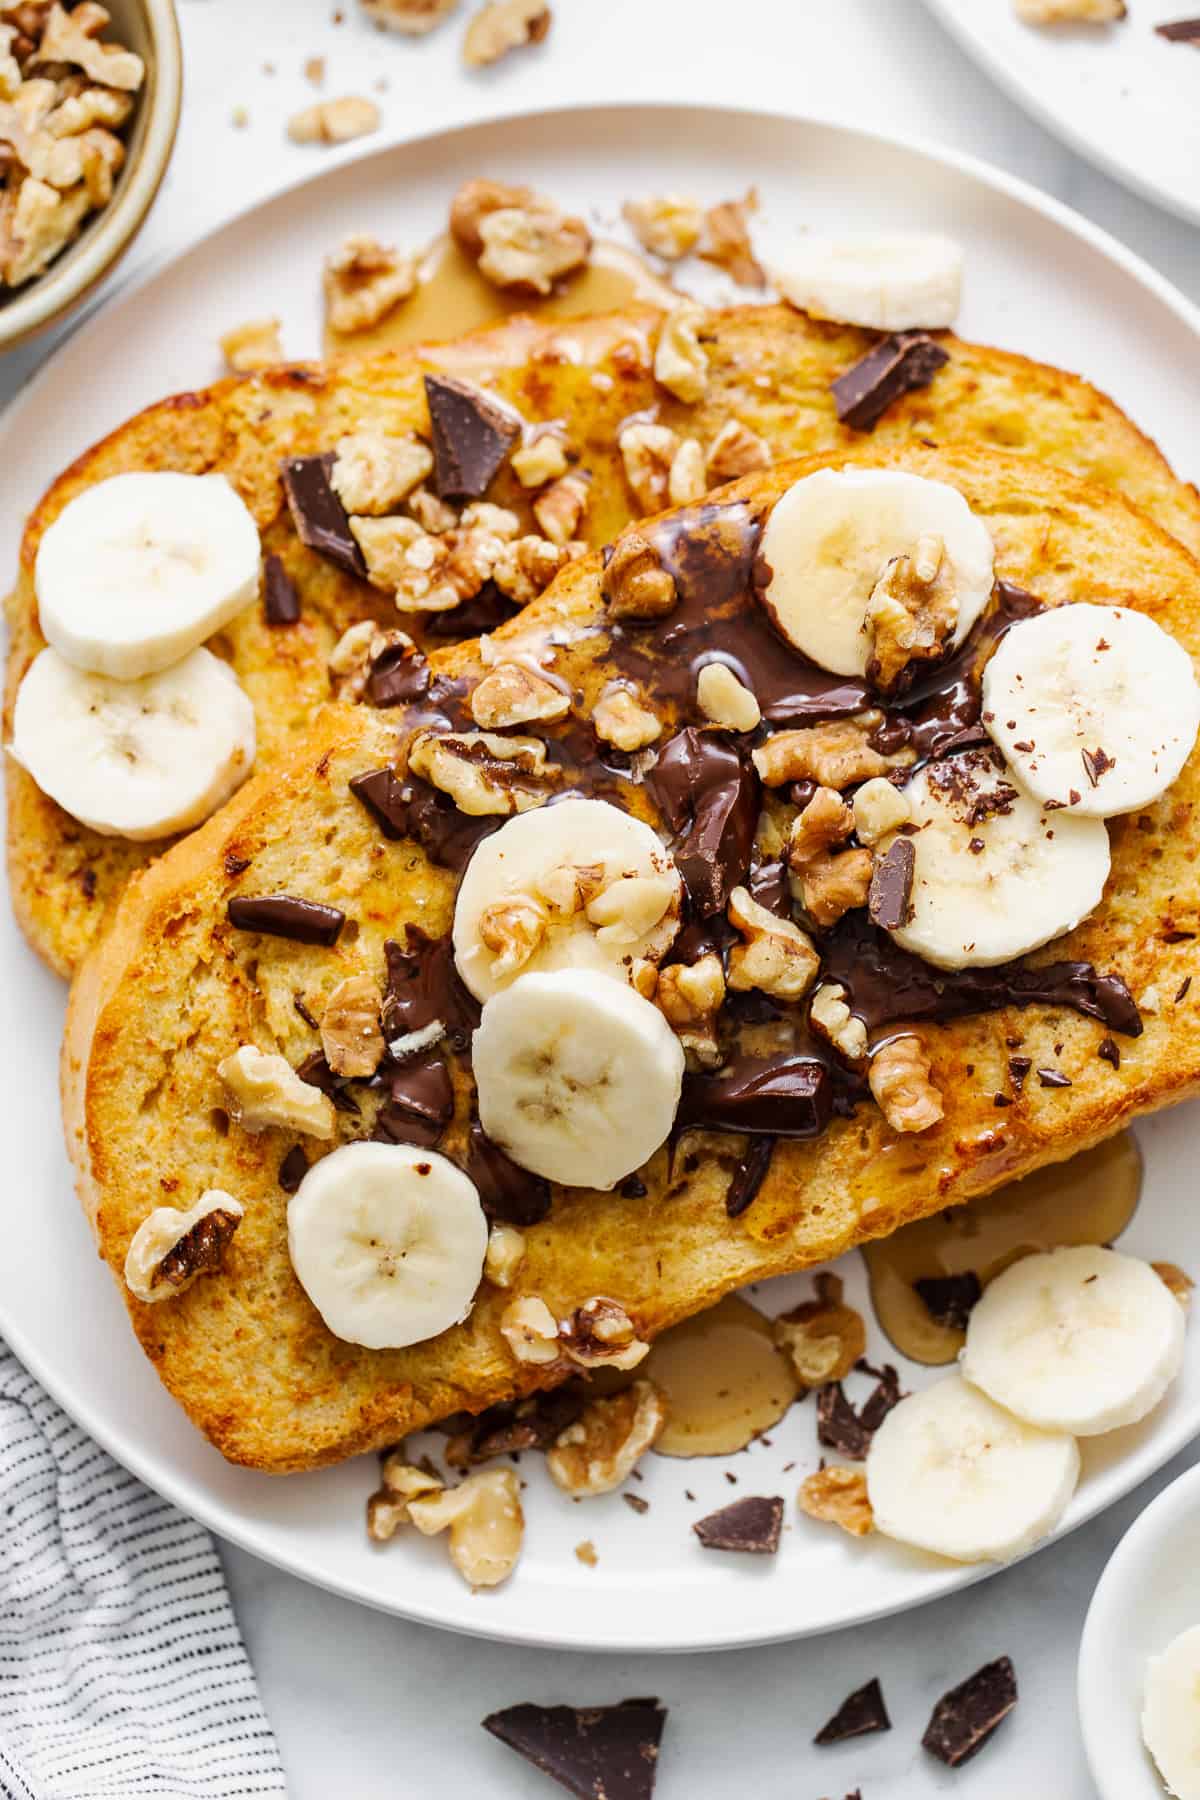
(1029, 260)
(1148, 1593)
(1119, 94)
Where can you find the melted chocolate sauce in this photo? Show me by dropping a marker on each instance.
(423, 986)
(419, 1104)
(707, 790)
(781, 1096)
(506, 1191)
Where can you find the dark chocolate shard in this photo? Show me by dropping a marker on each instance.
(949, 1298)
(1053, 1078)
(897, 365)
(506, 1191)
(423, 986)
(281, 602)
(412, 808)
(316, 1070)
(382, 793)
(320, 519)
(708, 793)
(964, 1719)
(472, 434)
(1180, 31)
(398, 674)
(595, 1752)
(293, 1169)
(753, 1524)
(779, 1096)
(419, 1104)
(861, 1712)
(840, 1427)
(516, 1425)
(891, 885)
(635, 1503)
(749, 1176)
(287, 916)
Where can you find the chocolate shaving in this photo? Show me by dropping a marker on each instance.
(419, 1104)
(897, 365)
(596, 1753)
(506, 1191)
(293, 1169)
(749, 1176)
(891, 886)
(1096, 763)
(287, 916)
(281, 601)
(1180, 31)
(753, 1524)
(778, 1096)
(965, 1718)
(707, 791)
(841, 1428)
(320, 519)
(861, 1712)
(949, 1298)
(472, 434)
(1181, 990)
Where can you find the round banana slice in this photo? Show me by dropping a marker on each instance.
(952, 1472)
(1095, 707)
(542, 893)
(1081, 1340)
(135, 759)
(388, 1241)
(889, 281)
(994, 874)
(140, 569)
(830, 538)
(1169, 1714)
(579, 1078)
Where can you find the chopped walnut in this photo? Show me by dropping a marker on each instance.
(636, 586)
(504, 1255)
(643, 977)
(600, 1449)
(680, 360)
(667, 225)
(334, 121)
(826, 820)
(513, 930)
(775, 957)
(829, 886)
(1180, 1284)
(350, 1032)
(485, 515)
(511, 694)
(170, 1248)
(265, 1092)
(838, 1495)
(601, 1335)
(524, 568)
(648, 452)
(899, 1080)
(1070, 12)
(482, 772)
(619, 718)
(486, 1524)
(833, 1018)
(836, 754)
(73, 37)
(400, 1483)
(725, 241)
(685, 480)
(528, 249)
(372, 472)
(879, 808)
(426, 573)
(543, 460)
(411, 17)
(560, 509)
(911, 613)
(690, 996)
(474, 200)
(530, 1330)
(41, 223)
(364, 281)
(630, 907)
(823, 1338)
(570, 887)
(432, 515)
(725, 700)
(356, 652)
(78, 112)
(501, 26)
(254, 345)
(735, 451)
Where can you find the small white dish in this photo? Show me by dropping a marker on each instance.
(1147, 1595)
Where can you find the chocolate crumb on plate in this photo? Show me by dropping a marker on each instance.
(636, 1502)
(965, 1718)
(287, 916)
(861, 1712)
(752, 1524)
(472, 435)
(321, 520)
(840, 1427)
(594, 1752)
(948, 1299)
(281, 602)
(895, 366)
(1180, 31)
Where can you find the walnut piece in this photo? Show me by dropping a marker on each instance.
(667, 225)
(372, 472)
(72, 37)
(502, 26)
(648, 454)
(355, 653)
(170, 1248)
(601, 1335)
(334, 121)
(836, 754)
(527, 249)
(725, 241)
(912, 612)
(828, 886)
(685, 479)
(630, 907)
(511, 694)
(1180, 1283)
(486, 1523)
(736, 450)
(524, 568)
(482, 772)
(411, 17)
(351, 1036)
(530, 1330)
(725, 700)
(880, 807)
(600, 1449)
(690, 996)
(1070, 12)
(542, 460)
(41, 223)
(775, 956)
(504, 1255)
(253, 345)
(636, 586)
(826, 820)
(265, 1092)
(400, 1483)
(899, 1079)
(823, 1338)
(432, 515)
(833, 1018)
(570, 887)
(839, 1495)
(559, 511)
(680, 359)
(512, 929)
(364, 281)
(426, 573)
(619, 718)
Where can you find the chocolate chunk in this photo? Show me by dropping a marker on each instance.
(316, 1070)
(707, 792)
(1177, 937)
(300, 1006)
(949, 1298)
(506, 1191)
(472, 435)
(749, 1176)
(476, 617)
(234, 865)
(595, 1752)
(841, 1428)
(382, 793)
(752, 1524)
(860, 1712)
(1053, 1078)
(398, 674)
(891, 885)
(776, 1096)
(516, 1425)
(907, 360)
(1018, 1069)
(768, 884)
(287, 916)
(964, 1719)
(1108, 1051)
(423, 986)
(1180, 31)
(293, 1169)
(412, 808)
(320, 519)
(281, 602)
(419, 1104)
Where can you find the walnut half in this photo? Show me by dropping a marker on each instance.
(899, 1080)
(839, 1495)
(596, 1453)
(170, 1248)
(485, 1521)
(601, 1335)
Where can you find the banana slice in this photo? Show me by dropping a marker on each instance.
(994, 874)
(556, 863)
(135, 759)
(140, 569)
(1081, 1340)
(1095, 707)
(950, 1471)
(1171, 1714)
(388, 1241)
(831, 536)
(893, 281)
(578, 1076)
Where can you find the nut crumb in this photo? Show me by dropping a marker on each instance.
(413, 18)
(485, 1521)
(725, 240)
(736, 451)
(1070, 12)
(647, 455)
(823, 1338)
(601, 1335)
(254, 345)
(725, 700)
(501, 26)
(636, 586)
(265, 1093)
(334, 121)
(586, 1553)
(619, 718)
(511, 694)
(482, 772)
(373, 472)
(504, 1255)
(1174, 1277)
(365, 280)
(680, 359)
(840, 1496)
(690, 997)
(836, 754)
(530, 1330)
(832, 1017)
(775, 956)
(542, 460)
(667, 225)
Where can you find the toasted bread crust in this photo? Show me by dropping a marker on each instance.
(769, 366)
(173, 989)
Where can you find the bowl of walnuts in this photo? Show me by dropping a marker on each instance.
(89, 106)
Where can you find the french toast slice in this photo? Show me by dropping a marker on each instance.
(174, 988)
(769, 367)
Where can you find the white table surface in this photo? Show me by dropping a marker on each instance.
(366, 1706)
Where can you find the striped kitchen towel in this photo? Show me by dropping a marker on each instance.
(122, 1670)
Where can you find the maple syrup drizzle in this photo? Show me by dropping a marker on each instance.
(724, 1379)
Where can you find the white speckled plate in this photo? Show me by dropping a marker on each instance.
(654, 1588)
